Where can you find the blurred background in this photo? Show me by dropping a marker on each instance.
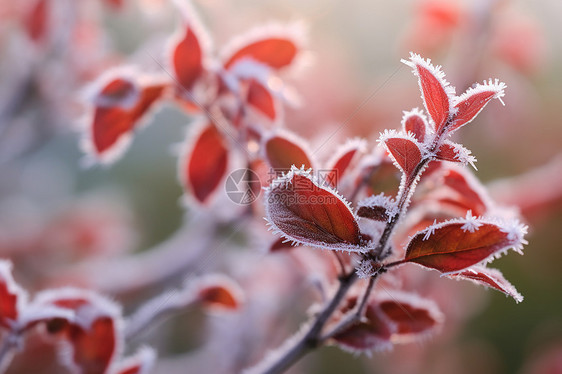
(56, 216)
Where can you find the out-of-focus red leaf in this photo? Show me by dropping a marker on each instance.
(281, 152)
(206, 163)
(453, 187)
(36, 22)
(218, 293)
(469, 196)
(275, 52)
(218, 296)
(406, 153)
(372, 334)
(434, 90)
(187, 59)
(491, 278)
(312, 215)
(120, 110)
(260, 98)
(93, 335)
(94, 347)
(473, 101)
(341, 161)
(455, 246)
(10, 293)
(389, 319)
(409, 319)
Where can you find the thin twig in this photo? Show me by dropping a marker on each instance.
(356, 315)
(9, 344)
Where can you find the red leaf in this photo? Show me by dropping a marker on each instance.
(491, 278)
(261, 99)
(389, 319)
(435, 90)
(405, 152)
(120, 106)
(205, 164)
(276, 52)
(415, 123)
(454, 152)
(219, 293)
(470, 195)
(10, 296)
(372, 334)
(409, 319)
(339, 164)
(304, 212)
(187, 58)
(284, 150)
(454, 246)
(94, 347)
(93, 335)
(473, 101)
(36, 22)
(453, 187)
(377, 213)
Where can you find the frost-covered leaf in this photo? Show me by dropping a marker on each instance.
(261, 99)
(377, 207)
(141, 363)
(120, 104)
(283, 150)
(303, 211)
(377, 213)
(453, 189)
(469, 193)
(488, 277)
(459, 244)
(469, 104)
(218, 293)
(93, 338)
(187, 57)
(394, 318)
(273, 45)
(436, 92)
(12, 296)
(449, 151)
(372, 335)
(204, 164)
(341, 160)
(405, 152)
(411, 317)
(415, 122)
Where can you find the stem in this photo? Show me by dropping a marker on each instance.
(7, 348)
(311, 340)
(403, 200)
(356, 316)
